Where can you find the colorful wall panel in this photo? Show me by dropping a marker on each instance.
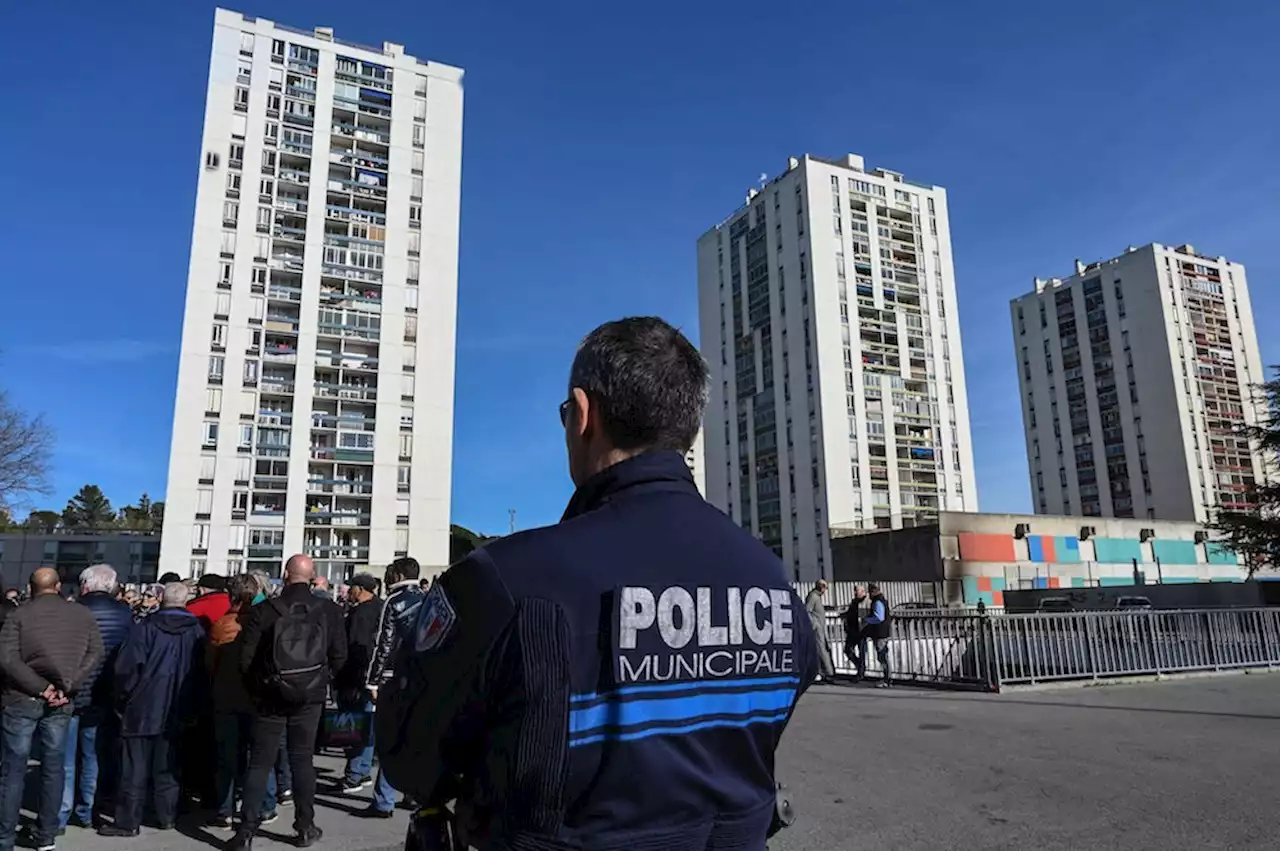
(1067, 548)
(985, 589)
(975, 546)
(1175, 552)
(1117, 550)
(1218, 554)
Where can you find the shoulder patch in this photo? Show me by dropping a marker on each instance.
(435, 620)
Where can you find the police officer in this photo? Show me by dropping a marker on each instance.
(618, 680)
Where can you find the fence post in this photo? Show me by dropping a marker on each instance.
(1089, 655)
(1208, 638)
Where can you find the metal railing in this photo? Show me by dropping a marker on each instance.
(992, 652)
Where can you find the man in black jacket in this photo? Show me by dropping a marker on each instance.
(47, 649)
(404, 595)
(289, 701)
(352, 695)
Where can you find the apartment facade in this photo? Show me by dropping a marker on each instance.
(828, 319)
(134, 555)
(1136, 376)
(315, 392)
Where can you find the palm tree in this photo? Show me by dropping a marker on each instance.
(89, 509)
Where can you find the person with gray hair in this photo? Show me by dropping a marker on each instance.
(159, 682)
(93, 733)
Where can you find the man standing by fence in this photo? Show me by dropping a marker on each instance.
(818, 615)
(877, 631)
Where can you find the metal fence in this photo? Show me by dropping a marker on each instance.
(990, 652)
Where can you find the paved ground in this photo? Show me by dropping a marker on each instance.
(342, 830)
(1186, 764)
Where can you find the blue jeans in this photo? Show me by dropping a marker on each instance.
(360, 766)
(20, 723)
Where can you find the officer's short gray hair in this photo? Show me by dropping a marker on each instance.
(647, 380)
(175, 596)
(99, 578)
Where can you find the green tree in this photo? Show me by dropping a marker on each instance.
(89, 509)
(462, 541)
(146, 516)
(1255, 533)
(42, 521)
(6, 520)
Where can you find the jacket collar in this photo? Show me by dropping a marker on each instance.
(656, 470)
(399, 586)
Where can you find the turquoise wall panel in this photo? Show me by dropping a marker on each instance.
(1067, 548)
(1218, 554)
(1117, 550)
(1175, 552)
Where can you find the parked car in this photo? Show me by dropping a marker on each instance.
(1134, 604)
(1055, 604)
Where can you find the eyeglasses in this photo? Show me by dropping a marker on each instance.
(565, 407)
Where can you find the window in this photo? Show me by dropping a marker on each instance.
(264, 217)
(235, 158)
(411, 328)
(415, 189)
(268, 162)
(233, 184)
(419, 161)
(415, 212)
(406, 417)
(411, 298)
(410, 355)
(251, 372)
(355, 440)
(239, 532)
(277, 49)
(257, 307)
(403, 473)
(200, 537)
(271, 133)
(266, 189)
(197, 567)
(230, 212)
(402, 509)
(210, 440)
(228, 242)
(406, 385)
(420, 109)
(415, 242)
(419, 135)
(238, 125)
(261, 247)
(204, 500)
(402, 542)
(222, 305)
(259, 275)
(219, 340)
(246, 43)
(273, 105)
(406, 446)
(224, 274)
(240, 499)
(413, 269)
(242, 469)
(235, 566)
(215, 368)
(246, 435)
(242, 99)
(208, 466)
(211, 161)
(213, 400)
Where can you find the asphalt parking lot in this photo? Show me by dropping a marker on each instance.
(1182, 764)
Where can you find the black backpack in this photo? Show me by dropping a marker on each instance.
(299, 661)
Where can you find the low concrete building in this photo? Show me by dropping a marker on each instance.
(971, 557)
(135, 556)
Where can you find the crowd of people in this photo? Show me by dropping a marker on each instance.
(204, 696)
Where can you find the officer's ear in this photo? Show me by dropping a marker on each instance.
(581, 419)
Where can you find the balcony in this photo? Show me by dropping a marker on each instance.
(281, 323)
(361, 132)
(296, 178)
(341, 487)
(339, 213)
(266, 551)
(276, 387)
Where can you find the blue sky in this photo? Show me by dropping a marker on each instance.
(600, 141)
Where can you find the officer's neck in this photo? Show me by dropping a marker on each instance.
(598, 462)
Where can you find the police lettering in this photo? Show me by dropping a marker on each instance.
(704, 632)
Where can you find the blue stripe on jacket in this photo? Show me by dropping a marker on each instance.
(635, 712)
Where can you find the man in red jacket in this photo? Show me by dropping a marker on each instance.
(213, 601)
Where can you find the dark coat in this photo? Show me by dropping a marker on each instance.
(257, 638)
(552, 669)
(362, 636)
(159, 673)
(47, 642)
(114, 619)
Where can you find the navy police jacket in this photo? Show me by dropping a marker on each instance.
(619, 680)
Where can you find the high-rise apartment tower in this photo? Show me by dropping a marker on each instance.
(315, 391)
(828, 318)
(1136, 376)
